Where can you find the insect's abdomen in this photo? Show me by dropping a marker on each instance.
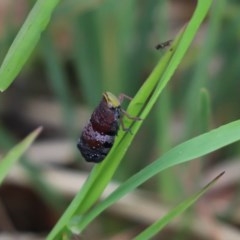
(98, 136)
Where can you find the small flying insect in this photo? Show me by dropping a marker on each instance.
(164, 44)
(98, 135)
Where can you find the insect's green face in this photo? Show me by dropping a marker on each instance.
(112, 101)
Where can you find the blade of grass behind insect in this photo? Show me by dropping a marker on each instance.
(201, 73)
(25, 41)
(156, 227)
(86, 56)
(115, 21)
(194, 148)
(103, 172)
(15, 153)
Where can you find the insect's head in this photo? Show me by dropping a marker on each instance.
(112, 101)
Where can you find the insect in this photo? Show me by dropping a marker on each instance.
(98, 135)
(164, 44)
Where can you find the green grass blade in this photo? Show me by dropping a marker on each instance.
(25, 41)
(199, 80)
(34, 174)
(152, 230)
(8, 161)
(184, 152)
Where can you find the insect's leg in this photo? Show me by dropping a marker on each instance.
(123, 127)
(123, 96)
(129, 116)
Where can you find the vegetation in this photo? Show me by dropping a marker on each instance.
(62, 59)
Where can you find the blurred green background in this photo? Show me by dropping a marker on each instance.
(106, 45)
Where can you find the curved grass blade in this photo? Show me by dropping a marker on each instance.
(15, 153)
(156, 227)
(25, 41)
(184, 152)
